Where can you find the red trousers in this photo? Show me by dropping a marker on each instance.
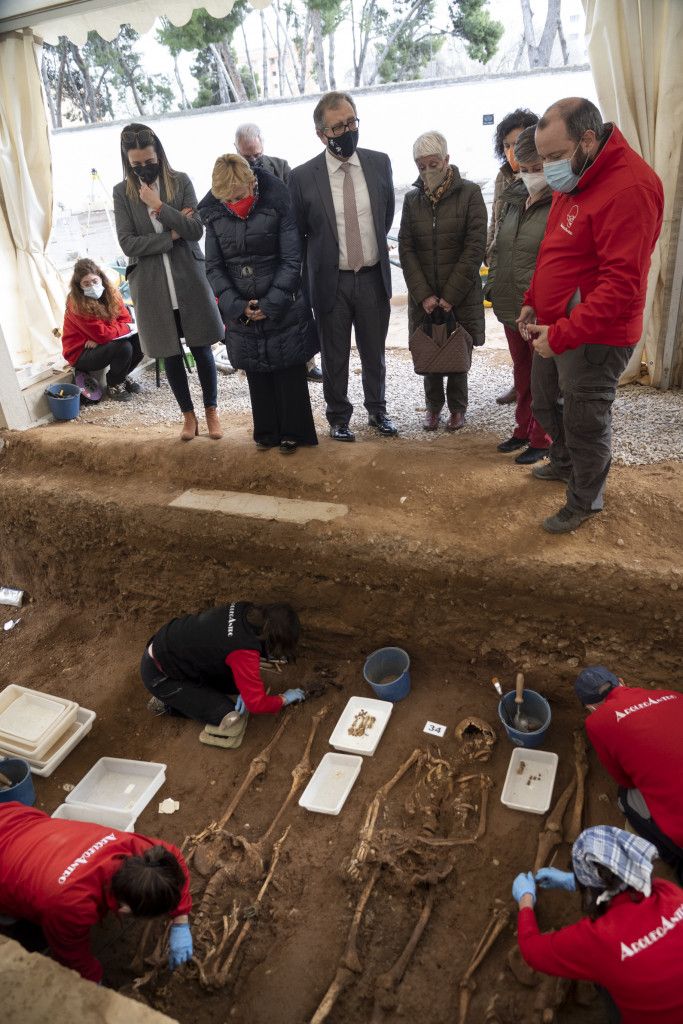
(525, 424)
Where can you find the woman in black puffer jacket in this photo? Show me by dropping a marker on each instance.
(253, 263)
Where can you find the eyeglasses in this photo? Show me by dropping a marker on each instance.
(340, 129)
(142, 139)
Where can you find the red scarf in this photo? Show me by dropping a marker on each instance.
(242, 207)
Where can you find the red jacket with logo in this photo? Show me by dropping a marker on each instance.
(635, 951)
(58, 873)
(638, 736)
(79, 329)
(598, 242)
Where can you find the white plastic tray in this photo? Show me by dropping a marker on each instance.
(331, 783)
(365, 745)
(121, 820)
(119, 785)
(31, 722)
(64, 745)
(530, 780)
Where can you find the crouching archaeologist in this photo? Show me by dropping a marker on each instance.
(208, 667)
(66, 876)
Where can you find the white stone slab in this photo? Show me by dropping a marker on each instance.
(259, 506)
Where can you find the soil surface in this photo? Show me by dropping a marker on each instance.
(459, 573)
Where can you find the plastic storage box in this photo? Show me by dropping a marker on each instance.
(119, 785)
(331, 783)
(121, 820)
(366, 744)
(31, 722)
(64, 745)
(530, 780)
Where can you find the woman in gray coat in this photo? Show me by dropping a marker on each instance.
(159, 229)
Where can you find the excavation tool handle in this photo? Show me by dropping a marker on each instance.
(519, 688)
(497, 687)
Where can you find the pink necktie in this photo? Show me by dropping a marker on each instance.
(354, 245)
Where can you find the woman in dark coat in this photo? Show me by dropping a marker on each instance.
(253, 262)
(441, 243)
(159, 229)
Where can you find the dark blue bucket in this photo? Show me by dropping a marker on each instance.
(18, 772)
(64, 406)
(391, 664)
(533, 706)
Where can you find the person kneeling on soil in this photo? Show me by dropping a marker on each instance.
(207, 667)
(631, 942)
(65, 876)
(98, 331)
(637, 736)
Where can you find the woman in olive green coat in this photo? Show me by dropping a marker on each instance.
(441, 244)
(526, 205)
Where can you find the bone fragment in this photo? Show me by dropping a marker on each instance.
(387, 983)
(581, 767)
(300, 773)
(496, 924)
(257, 768)
(552, 834)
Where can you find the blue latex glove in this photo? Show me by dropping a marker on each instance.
(240, 706)
(179, 945)
(524, 885)
(551, 878)
(291, 696)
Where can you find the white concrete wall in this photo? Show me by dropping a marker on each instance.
(391, 118)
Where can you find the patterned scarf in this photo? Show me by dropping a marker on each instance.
(439, 191)
(628, 857)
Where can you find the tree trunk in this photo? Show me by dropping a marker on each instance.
(249, 64)
(539, 55)
(226, 90)
(365, 34)
(392, 38)
(563, 42)
(59, 87)
(90, 100)
(520, 53)
(184, 103)
(288, 42)
(319, 50)
(48, 90)
(330, 61)
(265, 64)
(233, 71)
(303, 66)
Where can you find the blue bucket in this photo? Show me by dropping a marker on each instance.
(533, 706)
(18, 772)
(391, 664)
(67, 405)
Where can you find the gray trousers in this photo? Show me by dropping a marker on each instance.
(455, 395)
(571, 397)
(361, 303)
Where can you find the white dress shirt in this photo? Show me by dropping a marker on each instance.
(159, 227)
(367, 227)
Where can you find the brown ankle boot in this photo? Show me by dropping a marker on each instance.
(213, 422)
(190, 427)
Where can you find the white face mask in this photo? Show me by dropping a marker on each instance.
(534, 181)
(93, 291)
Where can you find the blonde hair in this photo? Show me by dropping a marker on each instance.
(230, 171)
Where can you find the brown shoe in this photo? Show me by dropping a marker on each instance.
(213, 423)
(508, 397)
(456, 421)
(190, 427)
(431, 421)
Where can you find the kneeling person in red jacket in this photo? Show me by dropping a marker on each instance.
(207, 666)
(631, 942)
(637, 736)
(66, 876)
(97, 331)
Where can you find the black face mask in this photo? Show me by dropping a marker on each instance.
(254, 161)
(344, 146)
(147, 173)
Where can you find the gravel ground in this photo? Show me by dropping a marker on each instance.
(648, 424)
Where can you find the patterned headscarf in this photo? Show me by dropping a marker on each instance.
(627, 856)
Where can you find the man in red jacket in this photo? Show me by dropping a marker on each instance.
(637, 735)
(65, 876)
(584, 307)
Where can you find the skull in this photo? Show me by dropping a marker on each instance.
(477, 738)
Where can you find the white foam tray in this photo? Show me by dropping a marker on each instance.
(64, 745)
(121, 820)
(119, 784)
(365, 745)
(331, 783)
(31, 722)
(530, 780)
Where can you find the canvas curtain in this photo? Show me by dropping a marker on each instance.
(31, 292)
(635, 49)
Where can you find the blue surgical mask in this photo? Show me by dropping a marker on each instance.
(559, 173)
(94, 291)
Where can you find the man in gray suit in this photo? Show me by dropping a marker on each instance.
(344, 205)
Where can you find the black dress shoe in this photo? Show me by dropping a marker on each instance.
(341, 432)
(382, 423)
(513, 444)
(315, 374)
(531, 455)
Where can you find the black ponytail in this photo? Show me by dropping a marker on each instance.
(150, 884)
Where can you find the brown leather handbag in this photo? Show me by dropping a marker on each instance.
(441, 345)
